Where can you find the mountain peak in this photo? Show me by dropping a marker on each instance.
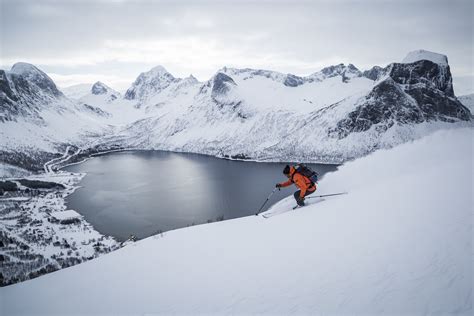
(99, 88)
(158, 70)
(351, 67)
(221, 84)
(31, 75)
(346, 72)
(422, 54)
(191, 79)
(333, 70)
(30, 72)
(22, 68)
(150, 83)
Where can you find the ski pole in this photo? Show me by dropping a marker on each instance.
(312, 197)
(268, 198)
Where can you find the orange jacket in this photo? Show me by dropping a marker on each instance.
(300, 181)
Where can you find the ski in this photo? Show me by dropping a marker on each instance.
(268, 215)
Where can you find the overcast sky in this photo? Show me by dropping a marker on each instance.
(115, 40)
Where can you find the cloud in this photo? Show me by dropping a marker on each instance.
(298, 37)
(201, 56)
(44, 10)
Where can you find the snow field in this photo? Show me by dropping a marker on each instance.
(400, 242)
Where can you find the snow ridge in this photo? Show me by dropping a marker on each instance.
(422, 54)
(334, 115)
(149, 83)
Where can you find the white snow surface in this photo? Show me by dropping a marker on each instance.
(399, 243)
(422, 54)
(67, 214)
(64, 121)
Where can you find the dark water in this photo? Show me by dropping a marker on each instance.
(143, 192)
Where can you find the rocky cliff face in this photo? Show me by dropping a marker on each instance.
(149, 83)
(410, 93)
(24, 90)
(99, 88)
(108, 94)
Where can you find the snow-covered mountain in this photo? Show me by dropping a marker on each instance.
(100, 88)
(25, 90)
(333, 115)
(37, 120)
(400, 243)
(100, 94)
(150, 83)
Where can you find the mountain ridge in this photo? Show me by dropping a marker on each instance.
(333, 115)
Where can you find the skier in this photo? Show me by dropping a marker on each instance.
(305, 185)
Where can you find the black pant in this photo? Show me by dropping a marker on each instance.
(300, 200)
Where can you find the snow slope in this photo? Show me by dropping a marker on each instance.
(422, 54)
(399, 243)
(37, 117)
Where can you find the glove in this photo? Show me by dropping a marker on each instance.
(278, 185)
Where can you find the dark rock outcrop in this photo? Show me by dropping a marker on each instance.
(413, 93)
(220, 84)
(150, 83)
(293, 81)
(99, 88)
(29, 80)
(24, 90)
(375, 73)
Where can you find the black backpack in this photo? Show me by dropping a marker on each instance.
(307, 172)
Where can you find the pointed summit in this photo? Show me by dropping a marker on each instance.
(150, 83)
(34, 76)
(25, 69)
(346, 73)
(99, 88)
(30, 72)
(158, 69)
(221, 84)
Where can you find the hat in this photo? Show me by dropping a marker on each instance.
(286, 170)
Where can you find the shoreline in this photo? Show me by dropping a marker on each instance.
(49, 242)
(268, 160)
